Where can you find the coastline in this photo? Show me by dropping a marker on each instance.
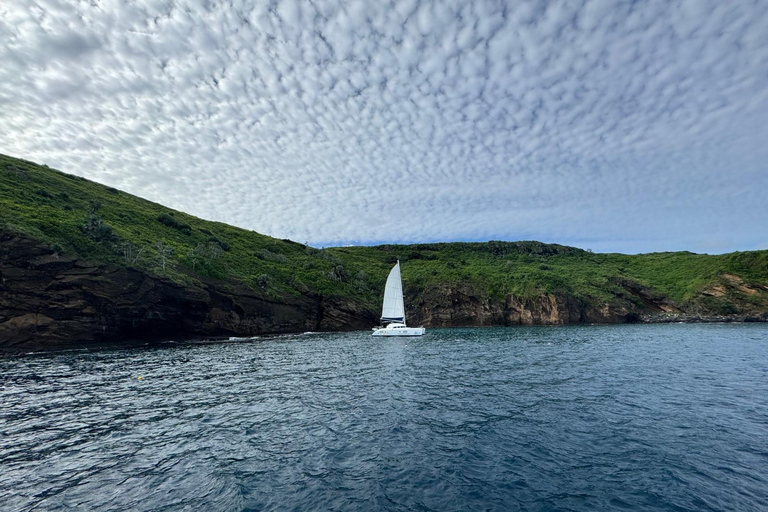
(32, 348)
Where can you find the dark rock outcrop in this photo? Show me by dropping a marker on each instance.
(464, 305)
(48, 300)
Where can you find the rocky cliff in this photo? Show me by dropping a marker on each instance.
(464, 304)
(50, 300)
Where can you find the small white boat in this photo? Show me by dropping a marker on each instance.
(393, 310)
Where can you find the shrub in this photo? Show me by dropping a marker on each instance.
(338, 273)
(299, 285)
(17, 172)
(267, 255)
(96, 230)
(131, 253)
(44, 193)
(212, 269)
(224, 245)
(204, 260)
(415, 255)
(171, 222)
(326, 255)
(164, 252)
(361, 281)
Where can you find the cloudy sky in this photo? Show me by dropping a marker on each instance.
(612, 125)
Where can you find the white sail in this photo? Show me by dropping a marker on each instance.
(393, 312)
(394, 309)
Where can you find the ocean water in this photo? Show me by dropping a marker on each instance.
(631, 417)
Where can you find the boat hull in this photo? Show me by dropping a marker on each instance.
(402, 331)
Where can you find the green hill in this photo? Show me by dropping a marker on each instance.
(81, 218)
(70, 219)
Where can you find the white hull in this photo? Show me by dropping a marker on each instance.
(400, 331)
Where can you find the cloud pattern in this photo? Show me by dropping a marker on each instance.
(614, 125)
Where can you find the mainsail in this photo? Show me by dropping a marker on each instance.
(394, 309)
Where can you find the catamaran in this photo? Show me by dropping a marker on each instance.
(393, 311)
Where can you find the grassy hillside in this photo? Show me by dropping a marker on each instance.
(528, 269)
(78, 217)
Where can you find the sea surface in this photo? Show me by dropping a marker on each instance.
(582, 418)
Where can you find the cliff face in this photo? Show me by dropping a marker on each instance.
(463, 304)
(47, 300)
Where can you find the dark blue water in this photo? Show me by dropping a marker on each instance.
(670, 417)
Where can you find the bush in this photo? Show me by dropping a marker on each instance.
(327, 256)
(210, 268)
(361, 281)
(267, 255)
(44, 193)
(96, 230)
(299, 285)
(204, 259)
(338, 273)
(210, 250)
(171, 222)
(224, 245)
(17, 172)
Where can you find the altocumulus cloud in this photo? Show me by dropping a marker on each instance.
(628, 126)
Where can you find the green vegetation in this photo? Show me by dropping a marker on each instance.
(81, 218)
(169, 220)
(77, 217)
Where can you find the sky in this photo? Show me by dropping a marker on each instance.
(615, 126)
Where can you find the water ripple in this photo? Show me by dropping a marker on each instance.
(580, 418)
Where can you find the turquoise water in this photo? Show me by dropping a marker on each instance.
(633, 417)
